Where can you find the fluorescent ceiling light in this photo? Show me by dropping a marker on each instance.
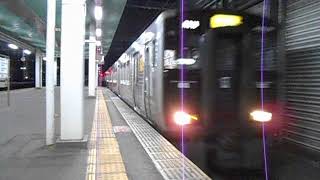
(190, 24)
(186, 61)
(26, 51)
(98, 43)
(44, 58)
(98, 32)
(12, 46)
(98, 13)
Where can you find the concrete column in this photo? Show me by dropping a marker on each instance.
(50, 45)
(72, 69)
(38, 69)
(92, 67)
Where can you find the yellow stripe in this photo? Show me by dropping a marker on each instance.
(104, 158)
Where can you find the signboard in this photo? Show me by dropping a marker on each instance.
(4, 71)
(4, 68)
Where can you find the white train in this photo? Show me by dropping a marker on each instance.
(147, 75)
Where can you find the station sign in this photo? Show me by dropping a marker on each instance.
(4, 68)
(4, 71)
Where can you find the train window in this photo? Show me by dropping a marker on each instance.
(132, 68)
(136, 60)
(153, 54)
(127, 72)
(169, 57)
(147, 54)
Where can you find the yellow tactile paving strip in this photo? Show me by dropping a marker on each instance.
(104, 158)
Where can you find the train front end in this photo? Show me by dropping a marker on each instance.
(234, 91)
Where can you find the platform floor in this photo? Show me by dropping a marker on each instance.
(121, 144)
(23, 154)
(138, 165)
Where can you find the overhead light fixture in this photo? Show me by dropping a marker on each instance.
(98, 13)
(44, 58)
(23, 59)
(26, 51)
(190, 24)
(98, 32)
(12, 46)
(98, 43)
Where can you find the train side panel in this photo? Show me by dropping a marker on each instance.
(153, 69)
(115, 78)
(125, 86)
(156, 94)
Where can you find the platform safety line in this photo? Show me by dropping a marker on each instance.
(104, 159)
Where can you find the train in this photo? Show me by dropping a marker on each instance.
(146, 76)
(210, 87)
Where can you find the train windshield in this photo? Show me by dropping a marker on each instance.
(173, 58)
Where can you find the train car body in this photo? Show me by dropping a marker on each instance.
(137, 76)
(212, 86)
(235, 87)
(147, 75)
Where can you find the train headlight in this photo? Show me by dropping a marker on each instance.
(181, 118)
(261, 116)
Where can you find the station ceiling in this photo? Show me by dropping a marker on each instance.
(123, 22)
(25, 21)
(138, 14)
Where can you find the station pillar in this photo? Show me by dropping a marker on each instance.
(92, 67)
(38, 69)
(72, 70)
(50, 49)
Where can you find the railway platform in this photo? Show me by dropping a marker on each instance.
(121, 145)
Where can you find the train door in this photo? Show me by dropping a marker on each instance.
(224, 64)
(148, 77)
(118, 78)
(132, 79)
(139, 83)
(135, 77)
